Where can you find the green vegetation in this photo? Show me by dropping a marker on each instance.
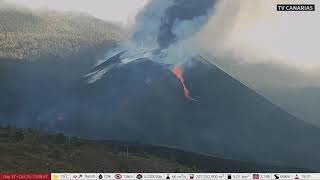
(18, 136)
(29, 34)
(42, 152)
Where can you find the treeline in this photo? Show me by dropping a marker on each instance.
(26, 34)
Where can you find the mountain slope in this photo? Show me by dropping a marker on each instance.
(294, 90)
(303, 102)
(143, 101)
(26, 33)
(41, 152)
(249, 125)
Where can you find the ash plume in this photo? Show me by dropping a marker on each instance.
(169, 22)
(162, 32)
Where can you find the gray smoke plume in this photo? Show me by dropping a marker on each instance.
(170, 21)
(162, 33)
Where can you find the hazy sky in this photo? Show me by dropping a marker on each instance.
(249, 29)
(113, 10)
(254, 31)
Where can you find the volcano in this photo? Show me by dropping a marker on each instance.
(142, 101)
(138, 94)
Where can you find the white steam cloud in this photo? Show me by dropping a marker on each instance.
(254, 32)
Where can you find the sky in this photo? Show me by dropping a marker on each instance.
(255, 32)
(248, 30)
(119, 11)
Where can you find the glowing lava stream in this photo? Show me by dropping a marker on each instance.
(176, 70)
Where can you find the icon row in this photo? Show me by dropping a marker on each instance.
(184, 176)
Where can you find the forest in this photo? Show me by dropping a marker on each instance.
(31, 34)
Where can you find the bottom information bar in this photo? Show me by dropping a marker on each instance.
(185, 176)
(159, 176)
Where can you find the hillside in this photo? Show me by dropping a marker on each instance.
(143, 102)
(30, 34)
(24, 150)
(146, 101)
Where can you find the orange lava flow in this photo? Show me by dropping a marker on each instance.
(176, 70)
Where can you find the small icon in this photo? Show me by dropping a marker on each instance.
(118, 176)
(100, 176)
(139, 176)
(296, 177)
(255, 176)
(55, 176)
(229, 176)
(77, 176)
(276, 176)
(168, 177)
(191, 176)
